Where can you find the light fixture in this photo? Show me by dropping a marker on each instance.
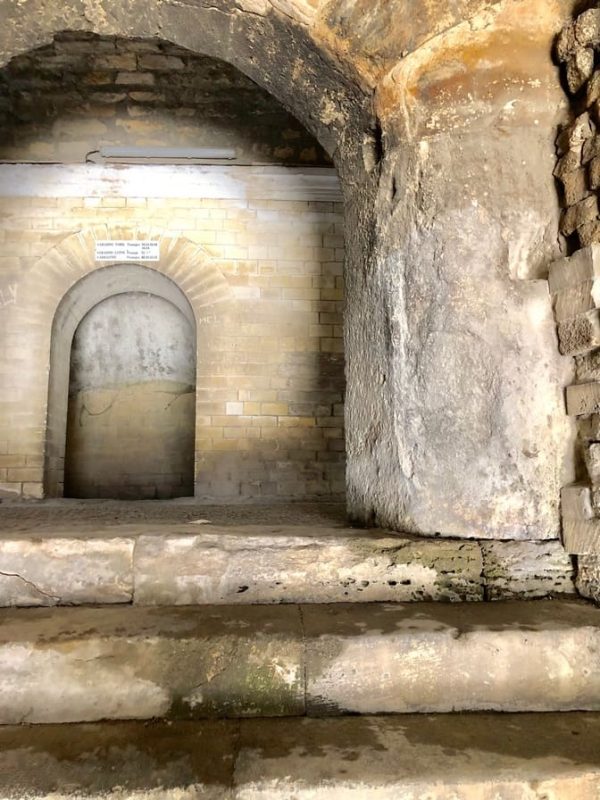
(161, 155)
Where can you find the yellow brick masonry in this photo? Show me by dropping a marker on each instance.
(270, 386)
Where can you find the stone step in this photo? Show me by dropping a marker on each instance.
(87, 664)
(164, 563)
(451, 757)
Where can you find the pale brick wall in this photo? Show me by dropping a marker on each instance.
(270, 382)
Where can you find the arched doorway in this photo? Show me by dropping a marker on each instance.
(130, 422)
(123, 374)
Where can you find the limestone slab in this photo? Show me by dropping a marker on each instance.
(451, 757)
(89, 664)
(583, 265)
(583, 398)
(86, 664)
(526, 569)
(258, 565)
(38, 571)
(576, 300)
(581, 536)
(516, 656)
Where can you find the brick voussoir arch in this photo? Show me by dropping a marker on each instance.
(67, 282)
(181, 260)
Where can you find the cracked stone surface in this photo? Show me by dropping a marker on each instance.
(64, 571)
(179, 553)
(87, 664)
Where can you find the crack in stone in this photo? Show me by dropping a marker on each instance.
(53, 597)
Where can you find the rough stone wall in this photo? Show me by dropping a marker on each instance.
(270, 363)
(64, 101)
(574, 284)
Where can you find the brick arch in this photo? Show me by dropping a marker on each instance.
(276, 43)
(196, 282)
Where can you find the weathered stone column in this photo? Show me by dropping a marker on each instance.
(462, 351)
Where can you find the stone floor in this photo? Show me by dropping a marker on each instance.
(450, 757)
(89, 516)
(64, 552)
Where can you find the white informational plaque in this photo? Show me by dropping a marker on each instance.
(133, 250)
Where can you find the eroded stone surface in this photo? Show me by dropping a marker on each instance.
(62, 571)
(258, 565)
(526, 569)
(511, 657)
(82, 664)
(69, 665)
(588, 576)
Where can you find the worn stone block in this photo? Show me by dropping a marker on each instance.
(581, 213)
(580, 334)
(570, 162)
(576, 502)
(589, 428)
(566, 43)
(416, 757)
(502, 656)
(583, 398)
(526, 569)
(581, 536)
(251, 565)
(575, 185)
(587, 28)
(592, 461)
(575, 134)
(52, 571)
(576, 300)
(589, 233)
(590, 149)
(588, 577)
(82, 664)
(580, 66)
(583, 265)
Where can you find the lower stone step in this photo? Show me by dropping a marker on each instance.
(455, 757)
(86, 664)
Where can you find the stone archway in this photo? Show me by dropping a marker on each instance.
(69, 282)
(440, 122)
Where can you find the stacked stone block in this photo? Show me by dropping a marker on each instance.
(575, 286)
(578, 168)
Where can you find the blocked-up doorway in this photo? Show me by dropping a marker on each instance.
(131, 409)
